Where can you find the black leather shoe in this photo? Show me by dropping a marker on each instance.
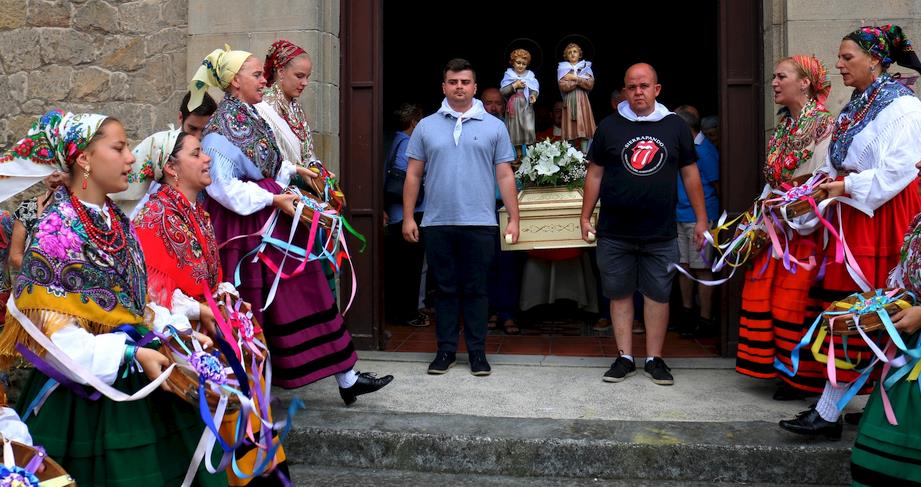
(809, 423)
(786, 392)
(366, 383)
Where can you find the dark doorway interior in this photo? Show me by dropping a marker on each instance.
(681, 43)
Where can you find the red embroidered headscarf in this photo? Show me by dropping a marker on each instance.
(280, 53)
(816, 74)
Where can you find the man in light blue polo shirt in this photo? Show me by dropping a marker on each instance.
(464, 152)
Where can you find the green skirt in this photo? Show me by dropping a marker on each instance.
(884, 454)
(149, 442)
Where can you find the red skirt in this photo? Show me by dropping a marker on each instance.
(875, 243)
(776, 312)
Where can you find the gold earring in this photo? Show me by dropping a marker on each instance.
(86, 175)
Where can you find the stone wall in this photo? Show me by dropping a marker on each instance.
(121, 58)
(253, 26)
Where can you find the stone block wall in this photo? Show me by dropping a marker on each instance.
(121, 58)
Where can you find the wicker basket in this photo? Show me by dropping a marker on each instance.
(336, 196)
(801, 206)
(184, 380)
(845, 325)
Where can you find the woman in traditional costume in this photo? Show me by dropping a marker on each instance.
(875, 144)
(176, 235)
(79, 299)
(886, 453)
(306, 335)
(776, 308)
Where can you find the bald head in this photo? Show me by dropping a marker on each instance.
(643, 68)
(641, 87)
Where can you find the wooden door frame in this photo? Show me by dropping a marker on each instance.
(362, 140)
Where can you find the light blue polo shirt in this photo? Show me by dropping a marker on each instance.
(460, 179)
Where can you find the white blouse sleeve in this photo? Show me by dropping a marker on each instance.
(285, 173)
(243, 198)
(13, 428)
(897, 153)
(185, 305)
(101, 354)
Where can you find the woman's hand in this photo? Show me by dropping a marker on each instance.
(834, 188)
(204, 340)
(306, 173)
(153, 363)
(285, 202)
(908, 320)
(206, 319)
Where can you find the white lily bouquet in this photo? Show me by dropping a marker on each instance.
(553, 164)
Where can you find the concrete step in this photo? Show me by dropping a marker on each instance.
(536, 447)
(313, 476)
(554, 419)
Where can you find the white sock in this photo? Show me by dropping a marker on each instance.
(648, 359)
(347, 379)
(828, 403)
(628, 357)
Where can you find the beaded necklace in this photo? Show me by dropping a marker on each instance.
(109, 241)
(847, 121)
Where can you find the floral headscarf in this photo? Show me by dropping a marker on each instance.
(217, 71)
(53, 143)
(149, 158)
(888, 43)
(815, 73)
(280, 53)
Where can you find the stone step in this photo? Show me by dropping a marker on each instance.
(390, 444)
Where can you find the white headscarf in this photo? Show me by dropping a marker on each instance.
(149, 158)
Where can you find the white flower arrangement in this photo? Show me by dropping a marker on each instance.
(553, 164)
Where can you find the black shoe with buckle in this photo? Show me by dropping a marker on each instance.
(478, 364)
(620, 370)
(810, 423)
(443, 361)
(367, 382)
(658, 372)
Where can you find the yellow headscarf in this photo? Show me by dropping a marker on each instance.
(217, 70)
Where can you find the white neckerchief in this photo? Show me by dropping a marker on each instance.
(699, 138)
(582, 69)
(623, 108)
(530, 82)
(476, 111)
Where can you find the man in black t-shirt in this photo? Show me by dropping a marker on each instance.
(635, 157)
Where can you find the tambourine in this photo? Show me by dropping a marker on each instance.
(838, 319)
(795, 201)
(325, 185)
(193, 365)
(313, 204)
(20, 463)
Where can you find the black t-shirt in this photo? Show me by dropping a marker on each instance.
(639, 186)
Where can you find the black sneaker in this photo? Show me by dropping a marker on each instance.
(443, 361)
(620, 370)
(658, 372)
(478, 364)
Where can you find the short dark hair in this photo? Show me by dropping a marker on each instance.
(206, 109)
(458, 64)
(689, 116)
(406, 114)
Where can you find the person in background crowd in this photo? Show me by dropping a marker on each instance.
(194, 122)
(493, 102)
(710, 127)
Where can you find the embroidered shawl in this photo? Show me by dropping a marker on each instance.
(179, 245)
(883, 91)
(64, 273)
(294, 115)
(244, 128)
(907, 273)
(794, 141)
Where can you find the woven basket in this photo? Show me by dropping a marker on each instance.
(307, 213)
(845, 325)
(184, 380)
(800, 207)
